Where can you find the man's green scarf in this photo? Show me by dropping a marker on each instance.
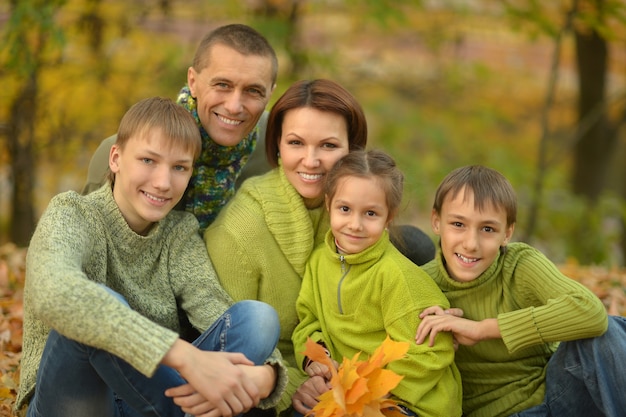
(216, 170)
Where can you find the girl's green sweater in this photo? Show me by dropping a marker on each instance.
(352, 302)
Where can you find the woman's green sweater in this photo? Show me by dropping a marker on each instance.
(259, 245)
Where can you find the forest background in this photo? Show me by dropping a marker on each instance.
(534, 89)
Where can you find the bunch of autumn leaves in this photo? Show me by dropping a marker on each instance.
(360, 388)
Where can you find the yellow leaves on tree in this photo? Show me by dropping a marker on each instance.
(359, 387)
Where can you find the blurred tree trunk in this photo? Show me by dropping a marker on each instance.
(20, 143)
(30, 31)
(593, 152)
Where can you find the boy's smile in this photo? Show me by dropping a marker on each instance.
(470, 238)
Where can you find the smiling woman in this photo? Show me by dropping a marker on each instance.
(260, 242)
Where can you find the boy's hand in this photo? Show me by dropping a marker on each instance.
(217, 386)
(465, 332)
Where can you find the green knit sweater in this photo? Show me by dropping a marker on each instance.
(352, 302)
(259, 245)
(83, 241)
(536, 307)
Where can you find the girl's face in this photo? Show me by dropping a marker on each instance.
(150, 178)
(358, 213)
(470, 239)
(312, 141)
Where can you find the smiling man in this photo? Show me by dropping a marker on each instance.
(228, 88)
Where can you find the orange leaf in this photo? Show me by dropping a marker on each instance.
(360, 388)
(316, 352)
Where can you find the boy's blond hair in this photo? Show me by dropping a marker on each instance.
(175, 123)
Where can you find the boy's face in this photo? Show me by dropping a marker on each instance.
(231, 93)
(470, 239)
(150, 178)
(358, 213)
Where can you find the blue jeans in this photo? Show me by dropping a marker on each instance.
(81, 381)
(586, 377)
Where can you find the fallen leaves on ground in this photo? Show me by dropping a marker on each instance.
(609, 284)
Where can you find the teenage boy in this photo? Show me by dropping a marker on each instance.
(532, 342)
(106, 275)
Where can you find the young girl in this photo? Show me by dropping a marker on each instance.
(358, 288)
(106, 275)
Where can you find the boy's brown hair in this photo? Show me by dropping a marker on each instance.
(488, 186)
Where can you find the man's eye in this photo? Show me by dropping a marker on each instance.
(256, 92)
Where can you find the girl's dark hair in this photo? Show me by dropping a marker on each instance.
(373, 164)
(323, 95)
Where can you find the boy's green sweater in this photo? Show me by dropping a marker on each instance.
(536, 307)
(83, 243)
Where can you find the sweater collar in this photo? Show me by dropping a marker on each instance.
(293, 226)
(118, 227)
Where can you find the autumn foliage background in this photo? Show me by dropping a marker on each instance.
(443, 83)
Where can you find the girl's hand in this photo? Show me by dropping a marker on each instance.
(319, 369)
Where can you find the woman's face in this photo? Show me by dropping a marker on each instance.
(312, 141)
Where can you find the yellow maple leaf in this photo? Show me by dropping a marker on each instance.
(360, 388)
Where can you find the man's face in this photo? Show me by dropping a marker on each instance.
(231, 93)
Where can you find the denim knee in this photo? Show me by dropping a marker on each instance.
(261, 319)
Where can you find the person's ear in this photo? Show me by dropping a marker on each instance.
(114, 156)
(435, 221)
(192, 78)
(508, 234)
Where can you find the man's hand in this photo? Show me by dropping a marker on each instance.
(217, 384)
(307, 394)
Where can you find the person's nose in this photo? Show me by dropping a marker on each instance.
(470, 240)
(234, 103)
(355, 222)
(311, 159)
(162, 178)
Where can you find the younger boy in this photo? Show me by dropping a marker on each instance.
(516, 307)
(106, 275)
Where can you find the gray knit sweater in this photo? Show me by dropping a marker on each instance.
(83, 241)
